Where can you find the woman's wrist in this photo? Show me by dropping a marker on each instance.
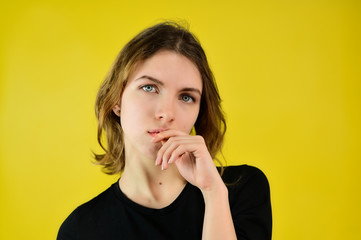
(216, 192)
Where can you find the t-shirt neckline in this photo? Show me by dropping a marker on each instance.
(124, 199)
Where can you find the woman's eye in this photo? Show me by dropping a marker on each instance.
(187, 98)
(148, 88)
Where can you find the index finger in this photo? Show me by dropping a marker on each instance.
(165, 135)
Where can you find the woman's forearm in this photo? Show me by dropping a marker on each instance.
(218, 223)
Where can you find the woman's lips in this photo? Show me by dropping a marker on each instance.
(153, 134)
(156, 131)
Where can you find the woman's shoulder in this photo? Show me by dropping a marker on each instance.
(87, 214)
(249, 198)
(98, 202)
(246, 182)
(242, 173)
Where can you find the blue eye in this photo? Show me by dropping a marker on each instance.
(187, 98)
(148, 88)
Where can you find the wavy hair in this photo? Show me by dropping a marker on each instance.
(171, 36)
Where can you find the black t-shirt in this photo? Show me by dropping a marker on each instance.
(111, 215)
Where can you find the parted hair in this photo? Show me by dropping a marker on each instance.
(171, 36)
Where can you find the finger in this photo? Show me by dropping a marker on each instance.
(169, 151)
(160, 153)
(175, 148)
(177, 153)
(166, 150)
(167, 134)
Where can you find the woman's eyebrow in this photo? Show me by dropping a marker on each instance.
(192, 90)
(151, 79)
(162, 84)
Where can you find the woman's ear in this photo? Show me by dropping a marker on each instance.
(116, 110)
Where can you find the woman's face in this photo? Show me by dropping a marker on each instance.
(162, 93)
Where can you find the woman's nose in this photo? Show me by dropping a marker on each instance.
(165, 110)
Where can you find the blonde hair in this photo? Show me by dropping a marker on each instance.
(210, 123)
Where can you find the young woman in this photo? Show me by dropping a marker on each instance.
(160, 109)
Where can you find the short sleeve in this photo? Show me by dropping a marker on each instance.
(249, 197)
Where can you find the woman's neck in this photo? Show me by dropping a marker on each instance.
(148, 185)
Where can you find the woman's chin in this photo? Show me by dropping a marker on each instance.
(151, 151)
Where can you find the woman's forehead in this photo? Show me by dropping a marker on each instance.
(167, 67)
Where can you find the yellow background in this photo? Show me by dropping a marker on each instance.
(288, 72)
